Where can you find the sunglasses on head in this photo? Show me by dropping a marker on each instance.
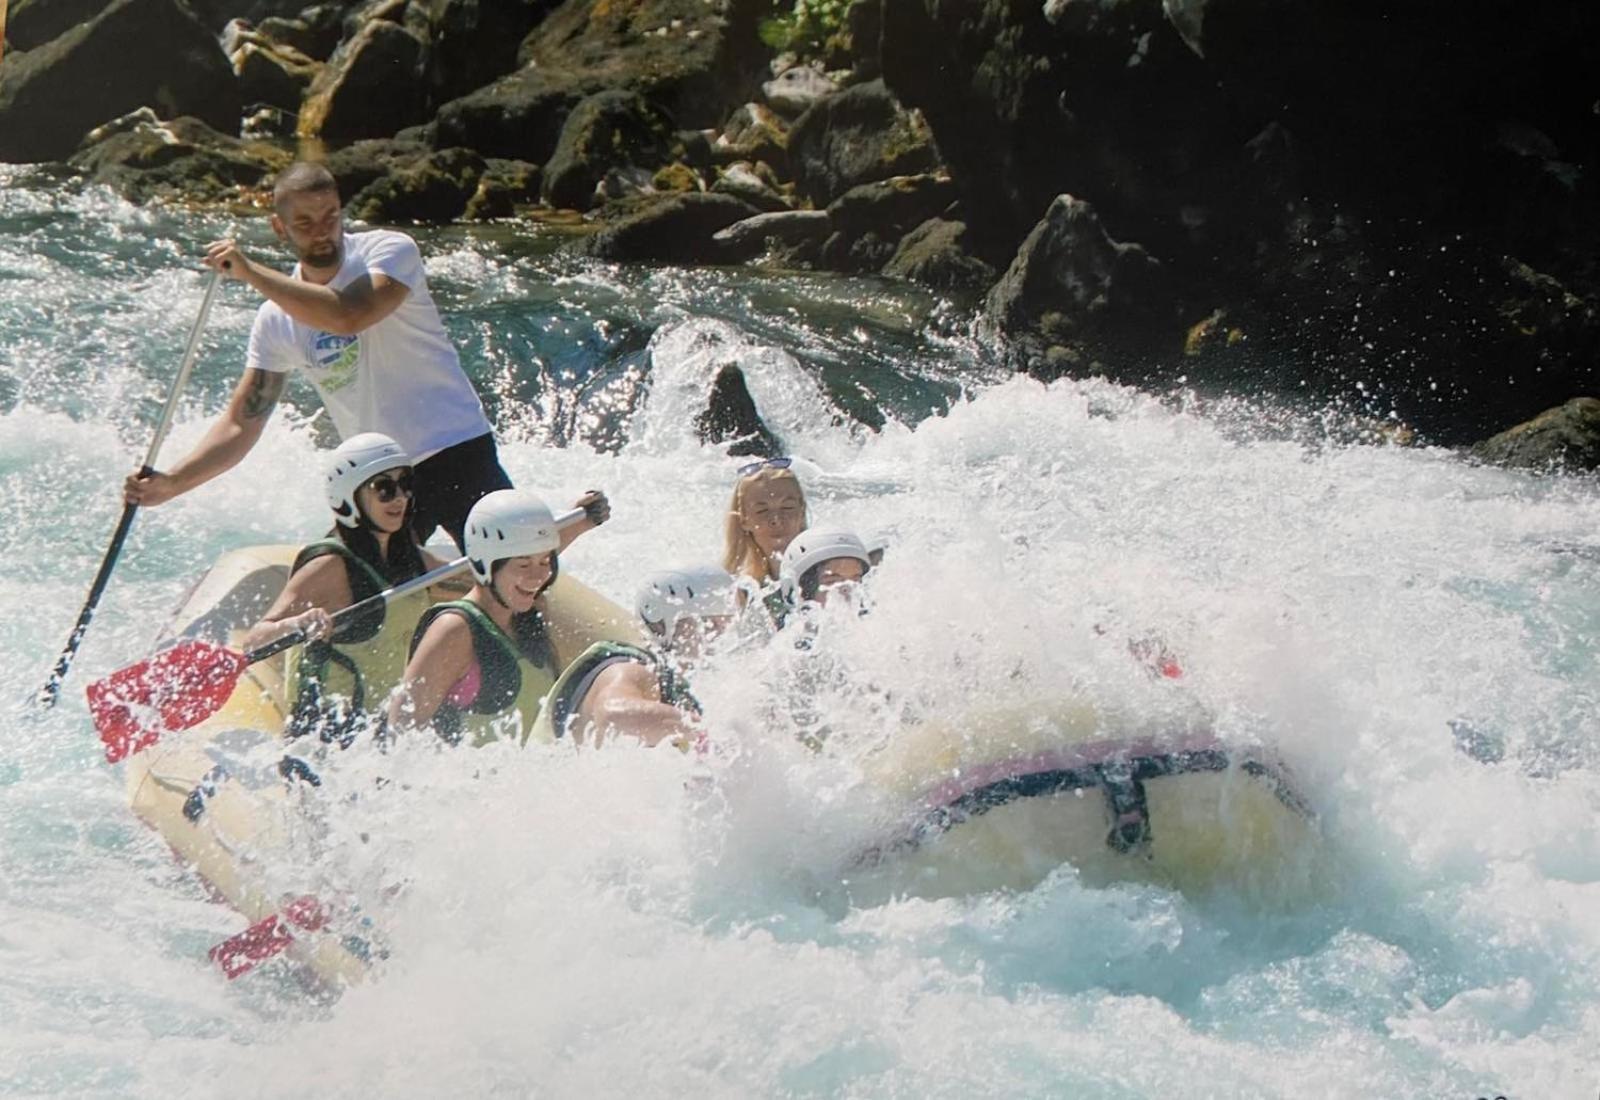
(765, 464)
(388, 487)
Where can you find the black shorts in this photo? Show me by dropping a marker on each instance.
(449, 483)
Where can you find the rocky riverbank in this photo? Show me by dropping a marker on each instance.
(1379, 210)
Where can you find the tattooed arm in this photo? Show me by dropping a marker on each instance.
(228, 441)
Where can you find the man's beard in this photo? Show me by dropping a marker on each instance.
(324, 260)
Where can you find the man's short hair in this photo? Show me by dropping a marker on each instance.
(302, 178)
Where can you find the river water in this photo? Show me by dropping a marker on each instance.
(1417, 637)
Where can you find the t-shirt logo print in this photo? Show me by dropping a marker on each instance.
(339, 356)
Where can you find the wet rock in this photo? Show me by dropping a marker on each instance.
(753, 132)
(315, 31)
(146, 159)
(32, 23)
(936, 254)
(869, 220)
(1071, 286)
(473, 42)
(689, 57)
(676, 178)
(504, 186)
(371, 87)
(360, 164)
(747, 182)
(272, 74)
(611, 130)
(730, 416)
(135, 53)
(1563, 438)
(435, 188)
(858, 136)
(795, 90)
(674, 229)
(796, 236)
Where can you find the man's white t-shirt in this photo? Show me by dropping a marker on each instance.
(400, 377)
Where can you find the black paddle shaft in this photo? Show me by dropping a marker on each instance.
(52, 687)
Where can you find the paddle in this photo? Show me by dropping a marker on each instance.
(187, 683)
(47, 694)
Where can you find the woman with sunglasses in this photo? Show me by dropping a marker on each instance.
(332, 681)
(767, 511)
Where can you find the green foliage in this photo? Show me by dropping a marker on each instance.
(808, 29)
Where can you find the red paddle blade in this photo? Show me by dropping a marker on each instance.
(272, 935)
(173, 690)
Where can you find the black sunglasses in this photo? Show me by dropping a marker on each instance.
(387, 488)
(765, 464)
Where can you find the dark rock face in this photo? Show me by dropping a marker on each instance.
(273, 74)
(434, 188)
(675, 229)
(32, 23)
(730, 416)
(611, 130)
(135, 53)
(146, 159)
(859, 136)
(690, 57)
(1073, 296)
(371, 87)
(1373, 196)
(1563, 438)
(473, 42)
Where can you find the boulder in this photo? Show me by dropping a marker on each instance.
(797, 233)
(434, 188)
(611, 130)
(371, 87)
(731, 417)
(361, 163)
(690, 57)
(858, 136)
(1072, 286)
(135, 53)
(504, 186)
(1563, 438)
(753, 132)
(797, 89)
(672, 229)
(315, 32)
(146, 159)
(936, 254)
(474, 42)
(271, 73)
(747, 182)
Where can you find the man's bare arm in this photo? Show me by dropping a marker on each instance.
(227, 441)
(345, 312)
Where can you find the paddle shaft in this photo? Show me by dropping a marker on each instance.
(52, 688)
(355, 610)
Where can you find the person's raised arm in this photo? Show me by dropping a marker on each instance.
(228, 440)
(442, 658)
(626, 699)
(351, 309)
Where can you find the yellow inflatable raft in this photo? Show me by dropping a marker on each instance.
(1002, 799)
(233, 821)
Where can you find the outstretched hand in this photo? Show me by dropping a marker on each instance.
(596, 507)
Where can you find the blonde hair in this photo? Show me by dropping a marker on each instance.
(743, 555)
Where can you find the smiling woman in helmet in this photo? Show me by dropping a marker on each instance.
(479, 666)
(616, 688)
(333, 680)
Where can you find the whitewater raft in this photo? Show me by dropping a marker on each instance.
(1005, 797)
(228, 794)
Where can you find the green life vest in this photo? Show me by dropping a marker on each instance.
(332, 683)
(571, 688)
(510, 683)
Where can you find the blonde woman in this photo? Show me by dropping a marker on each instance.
(767, 511)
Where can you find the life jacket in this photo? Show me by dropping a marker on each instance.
(572, 687)
(332, 683)
(511, 683)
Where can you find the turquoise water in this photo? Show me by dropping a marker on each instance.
(599, 924)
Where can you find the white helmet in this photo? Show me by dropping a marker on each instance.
(812, 547)
(355, 462)
(695, 590)
(508, 523)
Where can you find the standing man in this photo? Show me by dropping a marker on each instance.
(355, 315)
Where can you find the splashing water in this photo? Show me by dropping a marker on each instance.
(610, 923)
